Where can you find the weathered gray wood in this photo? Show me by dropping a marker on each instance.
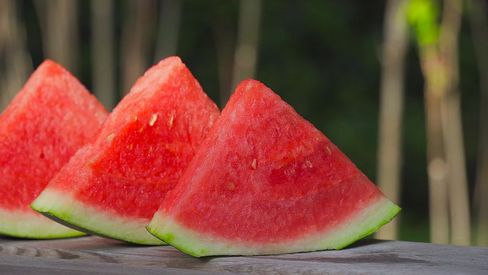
(19, 265)
(103, 256)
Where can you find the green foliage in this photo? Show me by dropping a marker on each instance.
(422, 16)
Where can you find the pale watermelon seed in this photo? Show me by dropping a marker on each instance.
(154, 117)
(329, 152)
(170, 121)
(110, 137)
(254, 164)
(231, 185)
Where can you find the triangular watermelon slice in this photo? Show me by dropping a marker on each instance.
(49, 119)
(265, 181)
(113, 187)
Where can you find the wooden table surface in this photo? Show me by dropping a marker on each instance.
(94, 255)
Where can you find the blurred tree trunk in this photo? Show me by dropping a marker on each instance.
(15, 62)
(436, 164)
(391, 106)
(245, 55)
(168, 29)
(452, 125)
(137, 28)
(479, 29)
(224, 36)
(446, 163)
(103, 72)
(59, 26)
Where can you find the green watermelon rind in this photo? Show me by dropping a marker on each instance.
(63, 208)
(196, 244)
(30, 225)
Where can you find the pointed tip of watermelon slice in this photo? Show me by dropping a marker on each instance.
(51, 67)
(49, 62)
(246, 85)
(167, 62)
(172, 58)
(198, 244)
(156, 76)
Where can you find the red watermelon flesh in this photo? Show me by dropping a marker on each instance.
(114, 187)
(266, 181)
(49, 119)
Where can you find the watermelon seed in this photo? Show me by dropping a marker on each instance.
(154, 117)
(135, 118)
(130, 146)
(170, 121)
(231, 185)
(254, 164)
(308, 163)
(110, 137)
(329, 152)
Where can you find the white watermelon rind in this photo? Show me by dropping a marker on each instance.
(64, 208)
(196, 244)
(30, 225)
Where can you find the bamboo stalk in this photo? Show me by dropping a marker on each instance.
(103, 51)
(168, 29)
(391, 106)
(224, 33)
(13, 53)
(136, 33)
(422, 15)
(59, 27)
(444, 128)
(452, 125)
(246, 52)
(436, 162)
(479, 28)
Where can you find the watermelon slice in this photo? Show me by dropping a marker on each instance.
(113, 187)
(49, 119)
(265, 181)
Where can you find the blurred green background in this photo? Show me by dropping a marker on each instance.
(323, 57)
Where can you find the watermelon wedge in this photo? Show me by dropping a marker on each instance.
(113, 186)
(51, 117)
(266, 181)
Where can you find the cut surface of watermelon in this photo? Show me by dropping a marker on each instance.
(50, 118)
(266, 181)
(113, 186)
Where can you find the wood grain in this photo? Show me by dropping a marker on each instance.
(96, 255)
